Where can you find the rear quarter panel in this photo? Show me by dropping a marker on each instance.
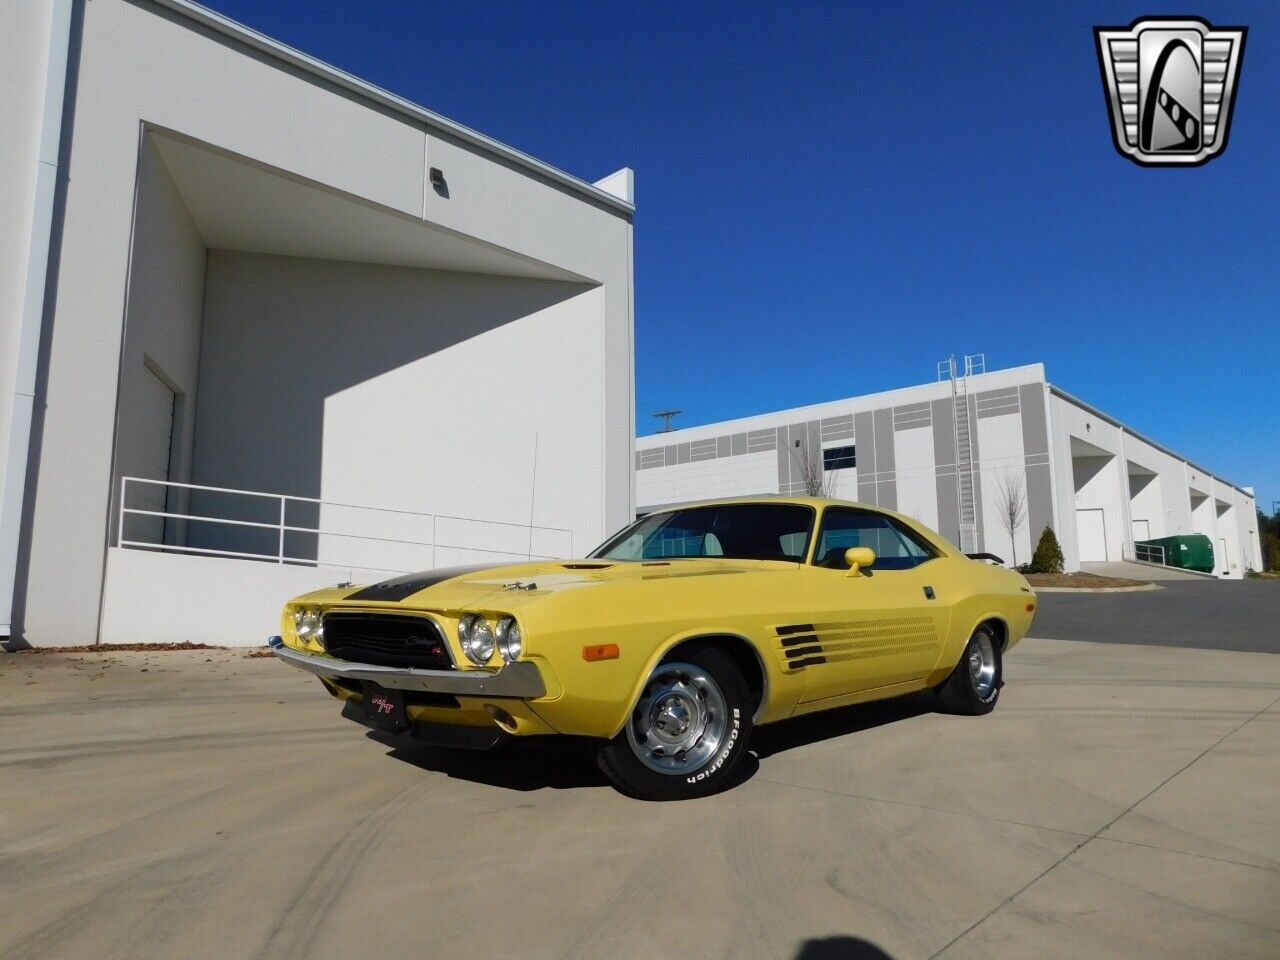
(982, 593)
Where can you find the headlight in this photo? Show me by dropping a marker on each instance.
(476, 637)
(306, 620)
(510, 639)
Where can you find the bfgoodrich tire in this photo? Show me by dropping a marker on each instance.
(974, 685)
(687, 734)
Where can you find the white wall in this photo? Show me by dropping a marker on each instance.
(1146, 503)
(1167, 501)
(745, 475)
(416, 390)
(1247, 528)
(24, 46)
(1009, 443)
(1236, 522)
(139, 68)
(168, 598)
(912, 475)
(1164, 501)
(162, 321)
(1003, 460)
(32, 48)
(917, 486)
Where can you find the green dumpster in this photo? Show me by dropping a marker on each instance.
(1192, 551)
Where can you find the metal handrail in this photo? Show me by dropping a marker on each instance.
(284, 528)
(1144, 552)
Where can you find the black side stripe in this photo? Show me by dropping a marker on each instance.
(796, 628)
(807, 662)
(398, 588)
(802, 652)
(799, 638)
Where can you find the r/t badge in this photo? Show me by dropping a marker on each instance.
(1170, 85)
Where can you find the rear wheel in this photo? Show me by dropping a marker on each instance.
(974, 685)
(687, 732)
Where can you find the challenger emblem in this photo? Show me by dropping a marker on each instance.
(1170, 85)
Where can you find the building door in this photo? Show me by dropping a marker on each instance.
(1141, 530)
(154, 428)
(1091, 535)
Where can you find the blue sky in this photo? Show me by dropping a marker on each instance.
(831, 197)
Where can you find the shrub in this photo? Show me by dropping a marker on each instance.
(1271, 551)
(1048, 555)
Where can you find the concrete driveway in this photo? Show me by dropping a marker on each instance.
(1123, 801)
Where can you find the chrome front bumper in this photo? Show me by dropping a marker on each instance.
(521, 680)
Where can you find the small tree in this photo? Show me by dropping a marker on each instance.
(1048, 555)
(1011, 506)
(1271, 551)
(817, 479)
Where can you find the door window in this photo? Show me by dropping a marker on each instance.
(896, 546)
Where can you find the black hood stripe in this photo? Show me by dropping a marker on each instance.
(398, 588)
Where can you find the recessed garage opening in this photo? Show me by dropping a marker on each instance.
(1146, 504)
(308, 378)
(1201, 512)
(282, 339)
(1228, 560)
(1097, 502)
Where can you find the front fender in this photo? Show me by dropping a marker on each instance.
(598, 697)
(768, 670)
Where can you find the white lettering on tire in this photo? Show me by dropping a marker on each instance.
(724, 754)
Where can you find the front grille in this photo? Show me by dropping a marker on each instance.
(388, 640)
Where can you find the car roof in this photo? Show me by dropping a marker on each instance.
(817, 503)
(768, 498)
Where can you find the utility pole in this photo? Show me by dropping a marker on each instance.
(667, 416)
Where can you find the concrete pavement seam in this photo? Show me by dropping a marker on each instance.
(1016, 823)
(922, 806)
(1188, 853)
(1107, 826)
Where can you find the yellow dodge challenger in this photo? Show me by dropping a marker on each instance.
(673, 640)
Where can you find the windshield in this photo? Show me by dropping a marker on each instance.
(739, 531)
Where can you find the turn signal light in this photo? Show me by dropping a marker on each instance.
(600, 651)
(1031, 608)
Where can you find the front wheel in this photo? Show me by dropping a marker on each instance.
(974, 685)
(687, 732)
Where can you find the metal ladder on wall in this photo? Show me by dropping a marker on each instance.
(963, 426)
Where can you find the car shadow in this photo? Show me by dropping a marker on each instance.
(563, 763)
(532, 763)
(829, 724)
(840, 948)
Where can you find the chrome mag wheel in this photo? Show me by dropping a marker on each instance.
(680, 720)
(982, 664)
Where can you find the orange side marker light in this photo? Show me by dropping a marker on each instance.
(600, 651)
(1031, 608)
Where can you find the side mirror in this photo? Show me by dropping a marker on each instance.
(858, 557)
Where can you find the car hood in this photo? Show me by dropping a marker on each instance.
(467, 586)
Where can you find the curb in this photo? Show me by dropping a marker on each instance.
(1138, 589)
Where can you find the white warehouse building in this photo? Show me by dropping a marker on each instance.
(943, 452)
(265, 327)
